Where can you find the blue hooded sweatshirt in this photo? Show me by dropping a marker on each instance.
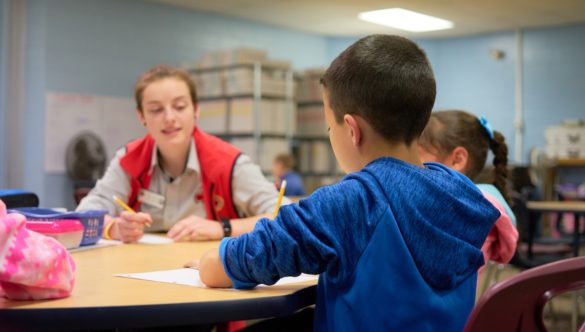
(397, 248)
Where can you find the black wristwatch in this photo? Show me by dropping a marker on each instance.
(227, 227)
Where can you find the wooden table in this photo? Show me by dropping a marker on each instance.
(575, 207)
(101, 301)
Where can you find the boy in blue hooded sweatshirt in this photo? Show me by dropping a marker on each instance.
(396, 242)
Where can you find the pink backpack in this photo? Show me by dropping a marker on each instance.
(32, 266)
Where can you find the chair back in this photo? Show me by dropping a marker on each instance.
(16, 198)
(517, 304)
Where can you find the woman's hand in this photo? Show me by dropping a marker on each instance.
(196, 228)
(129, 227)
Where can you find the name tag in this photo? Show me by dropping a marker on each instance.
(152, 199)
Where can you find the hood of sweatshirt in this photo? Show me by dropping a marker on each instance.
(443, 217)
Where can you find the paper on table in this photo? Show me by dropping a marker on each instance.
(100, 244)
(190, 277)
(155, 239)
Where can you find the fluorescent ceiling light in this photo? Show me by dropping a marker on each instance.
(405, 20)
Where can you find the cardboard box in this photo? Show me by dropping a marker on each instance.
(565, 136)
(273, 116)
(231, 57)
(308, 85)
(268, 149)
(209, 84)
(566, 151)
(240, 81)
(311, 122)
(213, 116)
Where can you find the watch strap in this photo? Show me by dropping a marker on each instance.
(227, 227)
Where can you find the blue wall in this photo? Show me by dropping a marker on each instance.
(554, 79)
(336, 45)
(469, 78)
(100, 47)
(34, 117)
(553, 85)
(3, 58)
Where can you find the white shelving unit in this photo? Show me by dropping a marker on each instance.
(250, 105)
(316, 162)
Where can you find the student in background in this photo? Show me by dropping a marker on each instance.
(178, 178)
(32, 266)
(461, 141)
(392, 240)
(282, 169)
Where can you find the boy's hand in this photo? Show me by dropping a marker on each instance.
(196, 228)
(211, 270)
(129, 228)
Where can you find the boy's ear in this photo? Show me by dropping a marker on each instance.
(354, 129)
(459, 159)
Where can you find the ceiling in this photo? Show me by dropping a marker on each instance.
(339, 17)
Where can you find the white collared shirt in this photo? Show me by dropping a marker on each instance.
(253, 194)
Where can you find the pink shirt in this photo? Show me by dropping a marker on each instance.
(32, 266)
(500, 244)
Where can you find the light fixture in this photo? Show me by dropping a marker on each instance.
(405, 20)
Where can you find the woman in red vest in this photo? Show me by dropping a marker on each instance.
(178, 178)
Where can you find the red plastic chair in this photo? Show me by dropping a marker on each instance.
(517, 304)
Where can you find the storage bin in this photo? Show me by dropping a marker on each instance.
(92, 221)
(67, 231)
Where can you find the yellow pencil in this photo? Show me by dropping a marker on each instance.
(123, 205)
(280, 195)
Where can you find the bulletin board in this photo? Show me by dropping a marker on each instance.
(113, 119)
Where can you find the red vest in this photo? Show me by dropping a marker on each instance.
(216, 159)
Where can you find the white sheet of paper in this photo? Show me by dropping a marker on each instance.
(102, 243)
(155, 239)
(190, 277)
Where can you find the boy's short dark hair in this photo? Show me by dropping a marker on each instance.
(388, 81)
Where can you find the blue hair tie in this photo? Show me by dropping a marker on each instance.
(487, 126)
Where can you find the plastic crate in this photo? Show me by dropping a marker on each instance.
(93, 220)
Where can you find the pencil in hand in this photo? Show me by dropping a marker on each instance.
(122, 204)
(126, 207)
(280, 195)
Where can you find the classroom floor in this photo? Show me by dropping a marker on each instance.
(558, 317)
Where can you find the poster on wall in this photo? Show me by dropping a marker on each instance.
(112, 119)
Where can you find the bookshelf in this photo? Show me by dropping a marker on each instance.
(316, 162)
(249, 105)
